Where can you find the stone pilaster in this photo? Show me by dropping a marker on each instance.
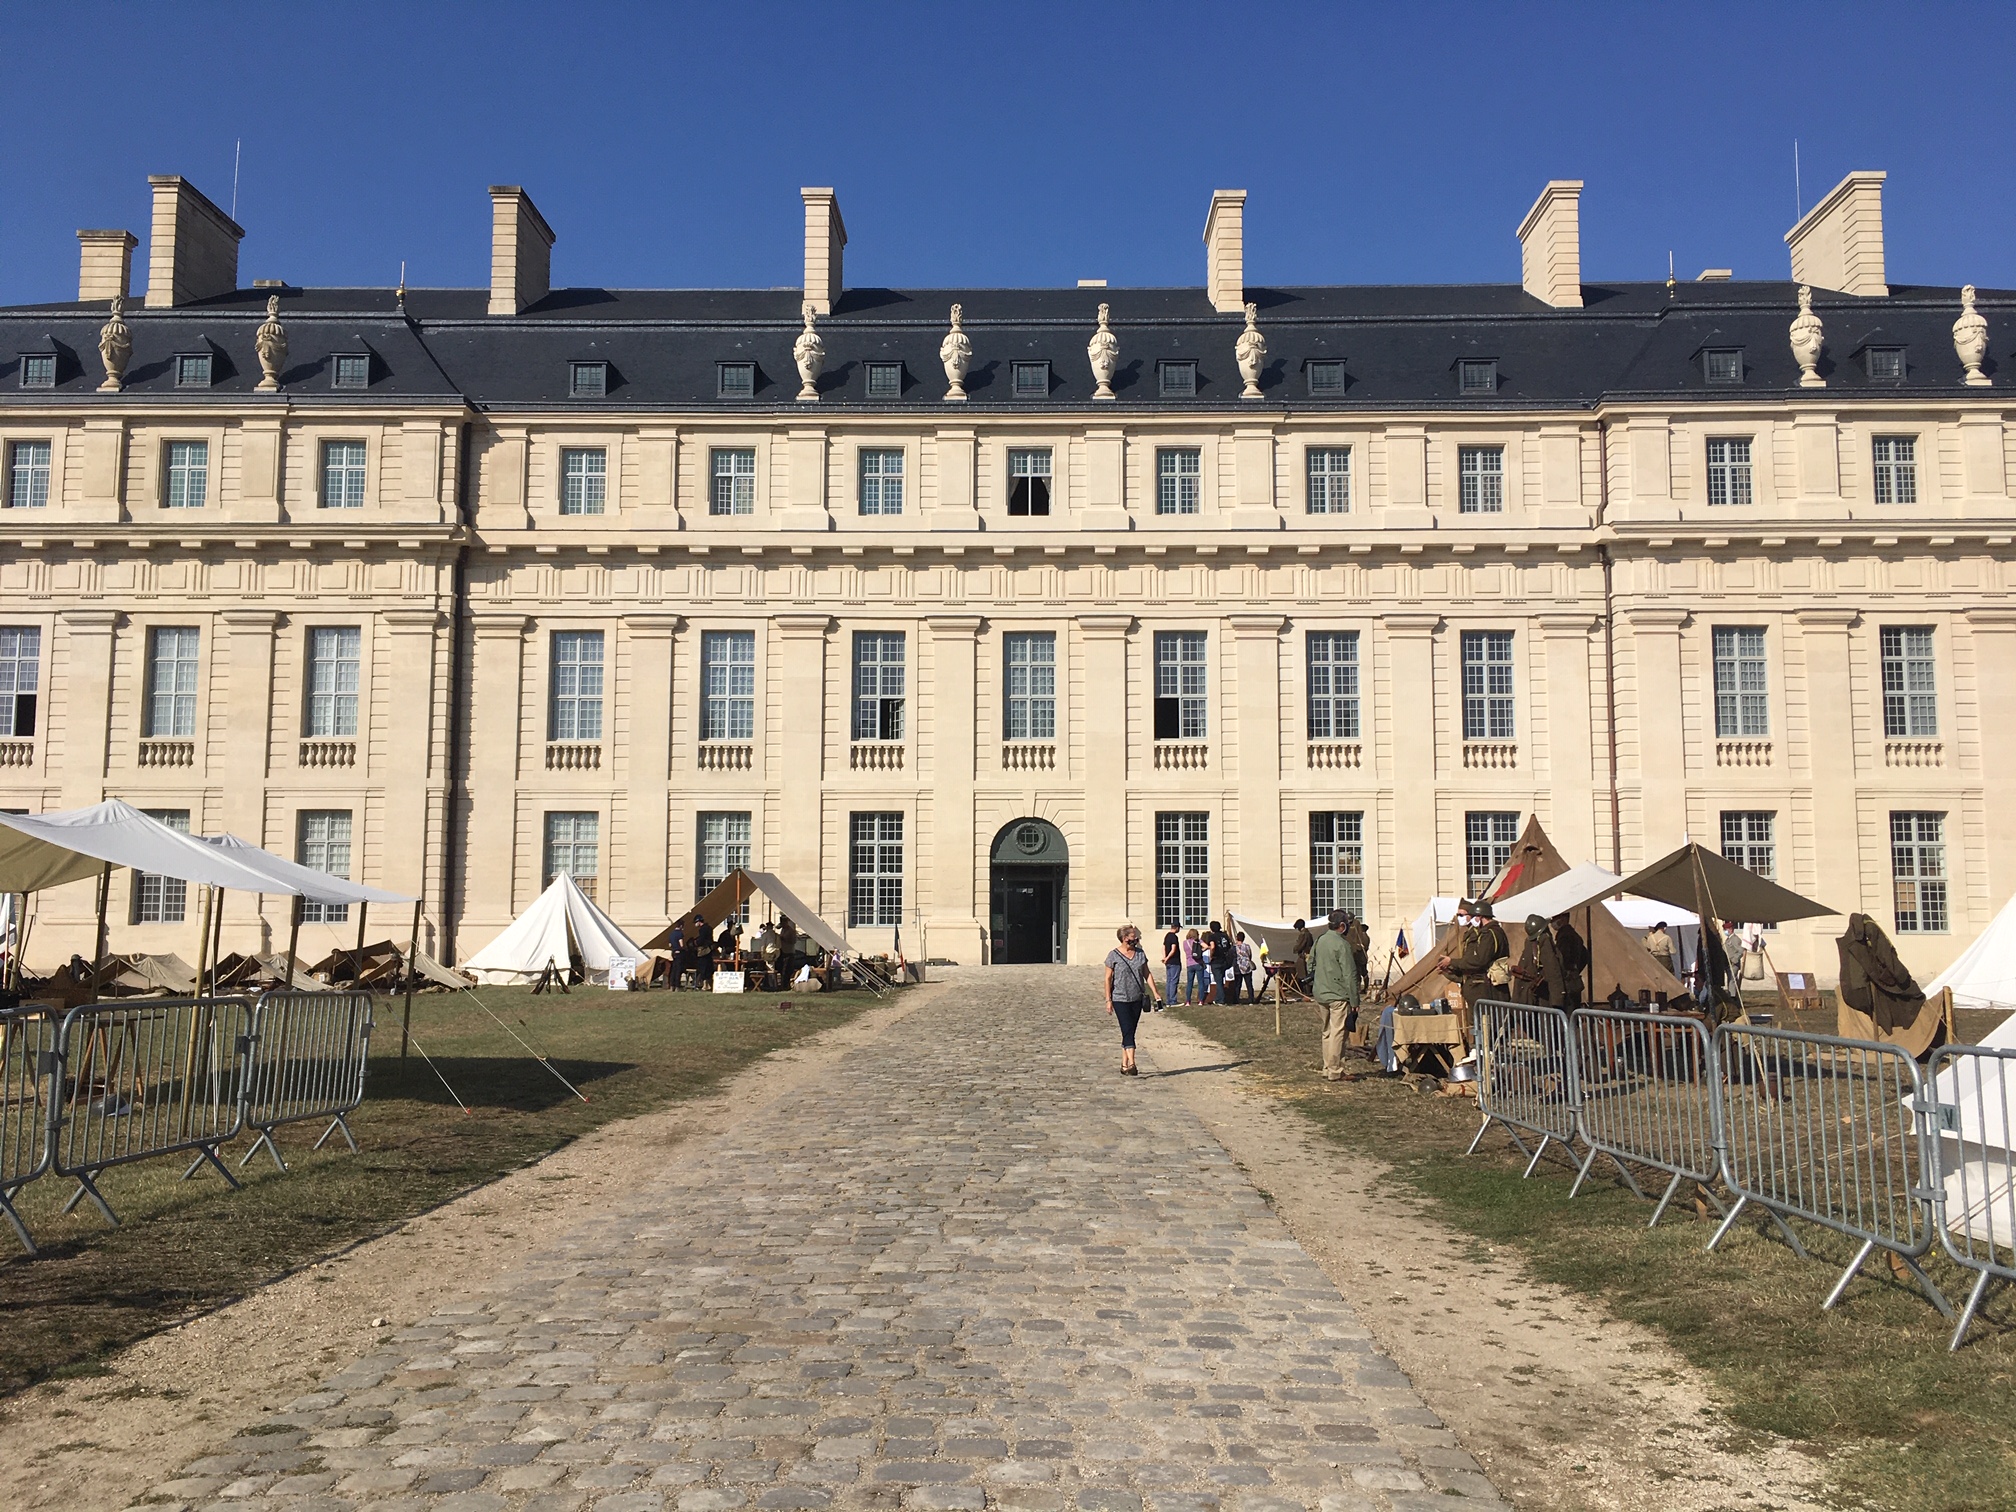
(1571, 735)
(242, 771)
(1104, 637)
(410, 779)
(1257, 738)
(93, 635)
(1994, 635)
(1830, 761)
(951, 767)
(1662, 759)
(800, 752)
(1410, 651)
(643, 766)
(496, 686)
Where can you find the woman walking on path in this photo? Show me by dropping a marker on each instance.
(1130, 982)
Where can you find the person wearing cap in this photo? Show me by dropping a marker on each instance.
(1574, 953)
(1659, 945)
(1537, 977)
(1480, 945)
(1335, 986)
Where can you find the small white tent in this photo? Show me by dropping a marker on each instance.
(1985, 974)
(560, 926)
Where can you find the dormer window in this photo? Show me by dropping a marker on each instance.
(192, 370)
(1030, 380)
(38, 370)
(1723, 365)
(1326, 378)
(1477, 377)
(735, 380)
(885, 380)
(1886, 364)
(1179, 379)
(587, 380)
(352, 371)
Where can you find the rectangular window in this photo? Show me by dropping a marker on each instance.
(325, 845)
(881, 482)
(1487, 685)
(1886, 364)
(188, 474)
(38, 370)
(1742, 694)
(1178, 379)
(735, 380)
(1480, 474)
(171, 681)
(1177, 469)
(1029, 481)
(352, 372)
(1181, 698)
(342, 474)
(1725, 367)
(1333, 684)
(334, 660)
(1329, 480)
(1182, 870)
(1030, 380)
(584, 480)
(587, 380)
(1336, 864)
(162, 900)
(728, 685)
(1487, 848)
(1326, 378)
(193, 371)
(1478, 377)
(577, 686)
(1896, 469)
(1030, 704)
(1749, 839)
(878, 685)
(573, 846)
(1910, 690)
(20, 678)
(724, 847)
(1918, 865)
(885, 380)
(1729, 470)
(28, 475)
(734, 480)
(875, 869)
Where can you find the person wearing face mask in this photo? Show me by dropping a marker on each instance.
(1130, 986)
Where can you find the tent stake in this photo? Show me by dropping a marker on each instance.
(412, 953)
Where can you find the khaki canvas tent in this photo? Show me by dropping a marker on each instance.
(736, 889)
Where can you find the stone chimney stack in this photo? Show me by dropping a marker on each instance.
(105, 264)
(192, 251)
(1225, 251)
(521, 251)
(1550, 246)
(825, 241)
(1838, 244)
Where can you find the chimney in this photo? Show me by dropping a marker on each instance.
(192, 251)
(521, 251)
(1838, 244)
(1225, 251)
(825, 239)
(1550, 246)
(104, 264)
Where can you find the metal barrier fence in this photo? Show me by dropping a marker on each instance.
(1970, 1115)
(27, 1057)
(1647, 1091)
(306, 1060)
(1523, 1077)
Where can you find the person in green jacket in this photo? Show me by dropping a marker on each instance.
(1335, 970)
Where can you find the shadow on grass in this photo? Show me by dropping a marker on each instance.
(521, 1085)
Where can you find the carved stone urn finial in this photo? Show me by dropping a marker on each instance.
(1252, 351)
(115, 348)
(1104, 351)
(956, 352)
(271, 344)
(810, 353)
(1808, 336)
(1970, 340)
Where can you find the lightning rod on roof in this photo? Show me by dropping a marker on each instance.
(237, 153)
(1798, 198)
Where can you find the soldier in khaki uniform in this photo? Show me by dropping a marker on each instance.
(1480, 945)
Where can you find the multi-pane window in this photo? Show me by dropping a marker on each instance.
(188, 474)
(1178, 379)
(1480, 377)
(20, 678)
(735, 380)
(1182, 870)
(1910, 698)
(1742, 693)
(171, 680)
(587, 380)
(724, 847)
(353, 371)
(1896, 463)
(878, 685)
(1918, 867)
(577, 685)
(1724, 366)
(1177, 469)
(875, 869)
(1029, 380)
(1886, 364)
(1029, 481)
(342, 474)
(1729, 470)
(192, 370)
(1333, 685)
(28, 475)
(325, 845)
(1487, 685)
(728, 685)
(334, 658)
(573, 846)
(1326, 378)
(1488, 839)
(733, 470)
(885, 380)
(584, 480)
(162, 900)
(1749, 838)
(881, 482)
(1336, 863)
(38, 370)
(1329, 480)
(1181, 695)
(1480, 479)
(1031, 692)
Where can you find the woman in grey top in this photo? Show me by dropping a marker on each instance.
(1129, 982)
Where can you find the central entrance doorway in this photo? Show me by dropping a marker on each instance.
(1029, 894)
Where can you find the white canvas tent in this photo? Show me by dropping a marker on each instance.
(1638, 915)
(285, 876)
(561, 925)
(47, 850)
(1985, 974)
(1277, 934)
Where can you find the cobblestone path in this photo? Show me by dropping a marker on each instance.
(976, 1268)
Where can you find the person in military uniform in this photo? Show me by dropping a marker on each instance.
(1305, 948)
(1480, 945)
(1537, 978)
(1574, 954)
(1359, 938)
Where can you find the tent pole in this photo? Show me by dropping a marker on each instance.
(203, 941)
(216, 936)
(104, 898)
(293, 940)
(412, 953)
(363, 911)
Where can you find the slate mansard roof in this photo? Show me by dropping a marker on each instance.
(1400, 345)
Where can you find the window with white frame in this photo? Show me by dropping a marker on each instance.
(1030, 702)
(733, 473)
(1918, 870)
(1488, 839)
(188, 464)
(1729, 470)
(1182, 696)
(335, 658)
(878, 685)
(881, 482)
(728, 685)
(162, 900)
(1480, 480)
(875, 869)
(1333, 684)
(1896, 469)
(1742, 690)
(1910, 685)
(1029, 480)
(1182, 870)
(342, 474)
(1329, 479)
(28, 475)
(724, 847)
(1487, 685)
(577, 686)
(324, 844)
(171, 681)
(584, 480)
(1336, 863)
(1177, 470)
(574, 847)
(1749, 838)
(20, 678)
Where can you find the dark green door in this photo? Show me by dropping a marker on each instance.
(1028, 921)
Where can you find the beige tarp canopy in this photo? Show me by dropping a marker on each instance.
(736, 889)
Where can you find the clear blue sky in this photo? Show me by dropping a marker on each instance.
(1015, 144)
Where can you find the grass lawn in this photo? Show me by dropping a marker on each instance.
(184, 1247)
(1869, 1386)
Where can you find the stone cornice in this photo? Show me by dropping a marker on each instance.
(1820, 617)
(104, 620)
(407, 621)
(251, 619)
(954, 626)
(1257, 626)
(1411, 622)
(494, 624)
(802, 626)
(1653, 617)
(1104, 626)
